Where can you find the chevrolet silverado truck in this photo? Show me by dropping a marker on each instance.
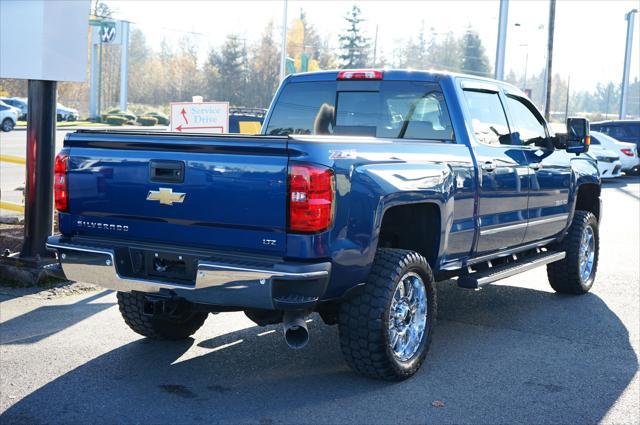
(363, 189)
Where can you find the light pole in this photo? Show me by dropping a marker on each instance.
(283, 56)
(502, 39)
(526, 63)
(548, 71)
(627, 63)
(526, 57)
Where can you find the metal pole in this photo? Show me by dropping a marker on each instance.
(502, 39)
(375, 47)
(283, 55)
(566, 106)
(627, 64)
(606, 112)
(526, 63)
(549, 68)
(93, 94)
(99, 102)
(124, 66)
(41, 145)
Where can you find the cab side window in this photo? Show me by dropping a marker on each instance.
(527, 126)
(488, 118)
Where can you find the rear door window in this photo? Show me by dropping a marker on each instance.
(399, 109)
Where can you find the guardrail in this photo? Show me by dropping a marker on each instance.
(12, 206)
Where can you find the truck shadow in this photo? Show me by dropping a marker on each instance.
(45, 321)
(506, 354)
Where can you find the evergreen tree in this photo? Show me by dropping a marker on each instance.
(354, 45)
(416, 53)
(229, 83)
(445, 54)
(264, 71)
(474, 59)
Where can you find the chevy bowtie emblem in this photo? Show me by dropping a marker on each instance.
(165, 196)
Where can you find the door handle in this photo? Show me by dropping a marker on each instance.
(488, 166)
(535, 166)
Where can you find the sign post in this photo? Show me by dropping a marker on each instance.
(200, 117)
(41, 146)
(107, 32)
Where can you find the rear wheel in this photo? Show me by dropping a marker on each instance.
(178, 324)
(385, 330)
(576, 273)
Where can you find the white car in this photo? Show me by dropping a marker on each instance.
(609, 164)
(8, 117)
(629, 159)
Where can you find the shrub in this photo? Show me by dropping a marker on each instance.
(147, 121)
(131, 117)
(162, 118)
(115, 120)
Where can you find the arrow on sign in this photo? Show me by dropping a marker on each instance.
(180, 127)
(184, 115)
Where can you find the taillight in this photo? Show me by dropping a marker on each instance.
(626, 151)
(360, 74)
(311, 197)
(60, 186)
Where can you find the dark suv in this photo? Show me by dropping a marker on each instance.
(624, 131)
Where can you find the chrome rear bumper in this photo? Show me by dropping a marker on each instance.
(283, 285)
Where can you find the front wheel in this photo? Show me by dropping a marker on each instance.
(385, 330)
(576, 273)
(7, 125)
(178, 324)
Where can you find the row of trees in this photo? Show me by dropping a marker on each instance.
(247, 73)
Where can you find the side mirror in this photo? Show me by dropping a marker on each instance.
(578, 138)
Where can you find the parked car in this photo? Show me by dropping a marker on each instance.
(17, 102)
(363, 189)
(246, 120)
(8, 117)
(622, 130)
(609, 165)
(66, 114)
(629, 159)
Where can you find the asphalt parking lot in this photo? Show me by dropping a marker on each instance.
(513, 352)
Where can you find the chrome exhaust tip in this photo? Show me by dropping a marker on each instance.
(295, 329)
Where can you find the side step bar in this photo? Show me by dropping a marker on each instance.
(481, 278)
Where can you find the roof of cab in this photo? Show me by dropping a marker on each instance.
(389, 74)
(397, 75)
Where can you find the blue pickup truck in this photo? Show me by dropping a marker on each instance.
(364, 188)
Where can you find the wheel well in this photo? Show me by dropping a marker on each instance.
(588, 199)
(415, 227)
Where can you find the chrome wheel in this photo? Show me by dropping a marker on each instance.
(407, 316)
(587, 253)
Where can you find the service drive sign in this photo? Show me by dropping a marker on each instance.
(203, 117)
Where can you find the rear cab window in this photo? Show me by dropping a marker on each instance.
(385, 109)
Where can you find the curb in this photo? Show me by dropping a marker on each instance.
(24, 273)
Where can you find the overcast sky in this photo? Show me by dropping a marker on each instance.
(589, 37)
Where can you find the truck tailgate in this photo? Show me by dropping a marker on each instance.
(197, 191)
